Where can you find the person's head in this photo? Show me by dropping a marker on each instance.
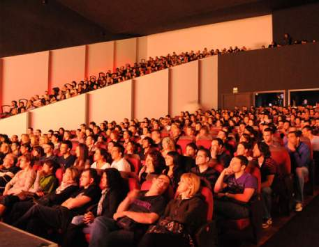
(117, 152)
(90, 140)
(147, 142)
(307, 131)
(261, 149)
(48, 167)
(5, 148)
(110, 146)
(173, 158)
(191, 150)
(101, 155)
(154, 161)
(156, 135)
(48, 148)
(189, 185)
(82, 152)
(65, 147)
(238, 164)
(268, 135)
(160, 184)
(37, 152)
(202, 156)
(294, 138)
(168, 144)
(9, 160)
(15, 146)
(25, 148)
(25, 161)
(111, 179)
(88, 177)
(217, 145)
(71, 175)
(243, 149)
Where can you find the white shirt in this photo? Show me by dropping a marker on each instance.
(105, 166)
(122, 165)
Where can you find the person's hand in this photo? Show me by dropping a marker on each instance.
(228, 171)
(22, 196)
(40, 193)
(118, 215)
(88, 218)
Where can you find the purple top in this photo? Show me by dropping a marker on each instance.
(237, 186)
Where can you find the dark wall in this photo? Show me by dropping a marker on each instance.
(289, 67)
(28, 26)
(300, 22)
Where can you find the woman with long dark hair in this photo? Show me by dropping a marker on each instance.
(173, 168)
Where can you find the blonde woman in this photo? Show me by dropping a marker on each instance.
(168, 145)
(183, 216)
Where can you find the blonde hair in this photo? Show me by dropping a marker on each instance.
(170, 143)
(193, 181)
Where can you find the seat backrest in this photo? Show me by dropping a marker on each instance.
(204, 143)
(255, 171)
(282, 158)
(135, 164)
(209, 200)
(59, 174)
(132, 184)
(183, 143)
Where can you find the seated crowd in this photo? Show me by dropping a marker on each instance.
(120, 74)
(75, 187)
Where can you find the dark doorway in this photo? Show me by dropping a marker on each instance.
(269, 99)
(310, 97)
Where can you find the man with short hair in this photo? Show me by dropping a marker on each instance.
(8, 169)
(269, 139)
(218, 154)
(66, 160)
(138, 210)
(119, 162)
(206, 173)
(300, 159)
(235, 188)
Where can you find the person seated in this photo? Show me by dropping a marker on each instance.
(8, 169)
(154, 165)
(174, 168)
(234, 188)
(101, 159)
(44, 183)
(168, 145)
(68, 186)
(119, 162)
(82, 157)
(66, 159)
(182, 217)
(112, 194)
(300, 158)
(269, 139)
(22, 181)
(133, 216)
(207, 174)
(147, 144)
(268, 170)
(218, 154)
(38, 219)
(243, 148)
